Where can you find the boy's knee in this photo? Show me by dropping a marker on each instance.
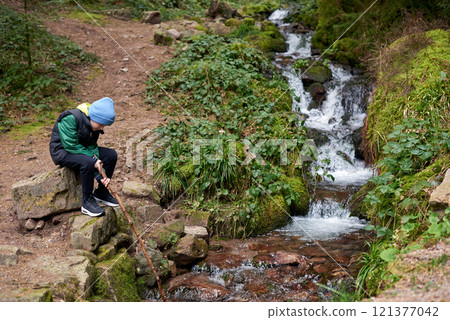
(87, 165)
(113, 154)
(110, 156)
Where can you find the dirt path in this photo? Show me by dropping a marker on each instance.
(118, 77)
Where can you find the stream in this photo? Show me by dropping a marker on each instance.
(293, 263)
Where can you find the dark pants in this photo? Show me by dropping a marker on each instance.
(84, 165)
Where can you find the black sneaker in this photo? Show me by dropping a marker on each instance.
(105, 198)
(91, 208)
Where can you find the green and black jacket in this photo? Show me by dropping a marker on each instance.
(73, 133)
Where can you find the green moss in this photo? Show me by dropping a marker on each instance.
(96, 72)
(318, 73)
(141, 287)
(346, 52)
(274, 214)
(406, 84)
(269, 41)
(90, 222)
(87, 18)
(201, 27)
(232, 22)
(260, 10)
(27, 295)
(117, 280)
(427, 174)
(248, 22)
(297, 184)
(375, 26)
(197, 218)
(35, 127)
(165, 235)
(196, 19)
(307, 15)
(106, 251)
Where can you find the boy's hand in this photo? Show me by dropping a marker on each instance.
(105, 182)
(98, 165)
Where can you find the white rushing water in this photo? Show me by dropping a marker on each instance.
(341, 114)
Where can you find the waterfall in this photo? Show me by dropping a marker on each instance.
(337, 121)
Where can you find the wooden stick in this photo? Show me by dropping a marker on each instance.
(141, 242)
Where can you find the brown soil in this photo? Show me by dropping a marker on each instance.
(425, 276)
(116, 76)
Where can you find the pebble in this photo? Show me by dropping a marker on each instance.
(30, 224)
(31, 157)
(89, 44)
(57, 220)
(40, 225)
(124, 69)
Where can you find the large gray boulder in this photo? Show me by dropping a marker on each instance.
(70, 278)
(47, 193)
(139, 189)
(89, 233)
(198, 231)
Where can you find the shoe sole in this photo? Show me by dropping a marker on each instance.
(106, 202)
(91, 214)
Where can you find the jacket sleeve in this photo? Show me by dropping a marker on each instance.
(69, 138)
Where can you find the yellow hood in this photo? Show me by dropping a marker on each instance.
(84, 108)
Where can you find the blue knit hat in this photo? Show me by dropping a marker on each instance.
(102, 111)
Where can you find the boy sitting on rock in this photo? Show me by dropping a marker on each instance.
(73, 144)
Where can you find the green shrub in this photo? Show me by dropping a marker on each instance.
(220, 82)
(36, 66)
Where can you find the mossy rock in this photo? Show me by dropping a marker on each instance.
(233, 22)
(196, 19)
(269, 26)
(161, 38)
(27, 295)
(248, 22)
(317, 73)
(274, 214)
(122, 222)
(167, 234)
(116, 279)
(268, 41)
(346, 52)
(196, 218)
(298, 186)
(260, 10)
(308, 17)
(201, 27)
